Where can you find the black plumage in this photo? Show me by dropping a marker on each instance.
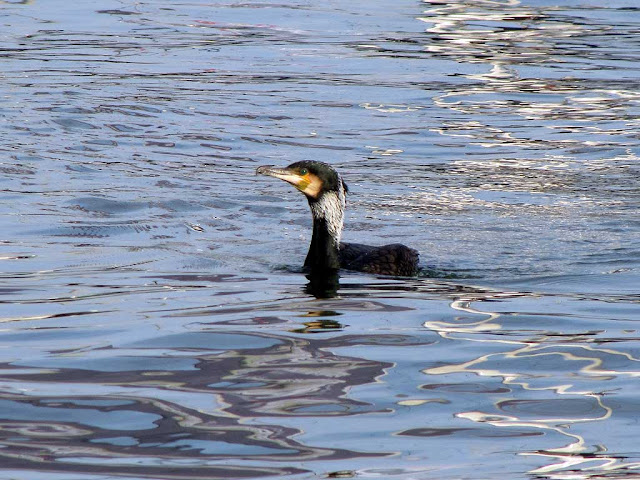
(393, 259)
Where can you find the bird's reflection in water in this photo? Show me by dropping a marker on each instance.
(323, 284)
(321, 325)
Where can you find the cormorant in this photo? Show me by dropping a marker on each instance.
(326, 193)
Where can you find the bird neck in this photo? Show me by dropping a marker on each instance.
(328, 218)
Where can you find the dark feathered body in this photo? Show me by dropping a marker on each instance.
(394, 259)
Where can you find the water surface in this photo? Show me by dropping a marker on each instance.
(155, 323)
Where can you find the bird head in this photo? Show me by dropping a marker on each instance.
(312, 178)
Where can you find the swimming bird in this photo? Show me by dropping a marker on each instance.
(326, 192)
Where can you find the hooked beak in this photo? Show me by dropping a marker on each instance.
(283, 174)
(309, 184)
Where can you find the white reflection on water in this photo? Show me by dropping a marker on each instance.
(578, 371)
(511, 37)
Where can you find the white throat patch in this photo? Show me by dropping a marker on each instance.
(330, 207)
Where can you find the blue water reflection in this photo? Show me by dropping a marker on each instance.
(155, 319)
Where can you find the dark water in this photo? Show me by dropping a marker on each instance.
(153, 322)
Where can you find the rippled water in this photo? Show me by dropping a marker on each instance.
(154, 320)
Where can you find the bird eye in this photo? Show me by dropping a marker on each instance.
(303, 171)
